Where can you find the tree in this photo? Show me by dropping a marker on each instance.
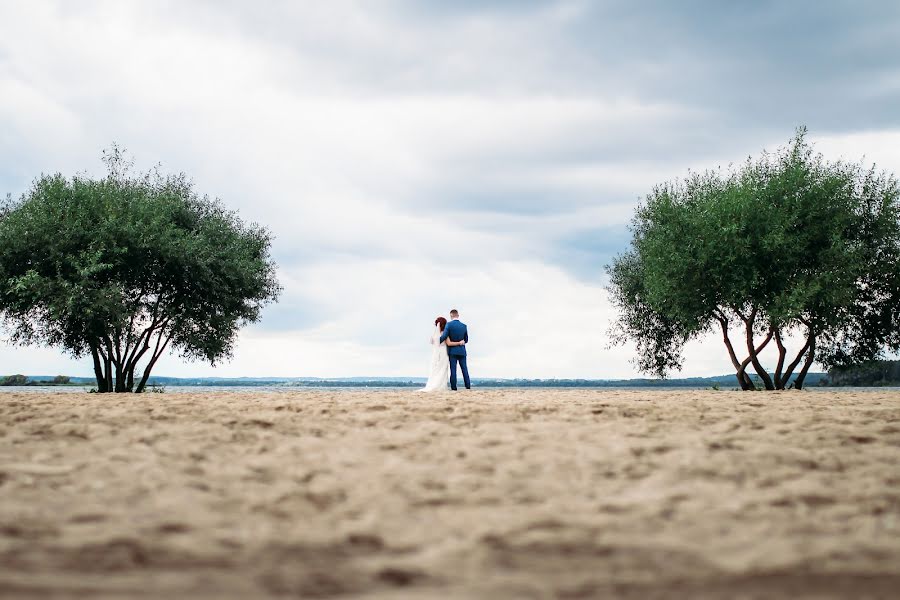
(872, 373)
(124, 267)
(787, 244)
(15, 380)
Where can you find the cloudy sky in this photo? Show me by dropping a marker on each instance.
(413, 156)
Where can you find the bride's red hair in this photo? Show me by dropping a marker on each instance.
(442, 322)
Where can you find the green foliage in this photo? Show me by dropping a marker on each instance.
(788, 242)
(14, 380)
(871, 373)
(119, 266)
(61, 380)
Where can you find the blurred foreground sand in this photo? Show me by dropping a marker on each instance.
(488, 494)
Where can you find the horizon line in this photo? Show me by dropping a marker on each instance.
(404, 377)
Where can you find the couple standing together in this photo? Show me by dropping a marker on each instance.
(448, 349)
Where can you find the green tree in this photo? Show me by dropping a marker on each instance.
(872, 373)
(124, 267)
(15, 380)
(785, 244)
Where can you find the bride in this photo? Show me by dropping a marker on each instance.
(439, 379)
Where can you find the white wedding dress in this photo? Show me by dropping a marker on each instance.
(439, 376)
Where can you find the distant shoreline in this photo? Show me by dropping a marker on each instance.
(721, 382)
(876, 374)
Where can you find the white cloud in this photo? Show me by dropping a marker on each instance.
(406, 163)
(881, 148)
(525, 319)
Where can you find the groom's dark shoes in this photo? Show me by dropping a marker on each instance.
(457, 331)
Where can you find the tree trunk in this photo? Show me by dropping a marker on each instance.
(806, 365)
(796, 361)
(741, 376)
(157, 352)
(754, 358)
(780, 383)
(132, 365)
(129, 384)
(742, 371)
(98, 369)
(108, 374)
(120, 378)
(143, 382)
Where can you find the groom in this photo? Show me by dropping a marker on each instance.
(457, 332)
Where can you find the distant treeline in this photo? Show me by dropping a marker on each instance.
(724, 381)
(880, 373)
(875, 374)
(20, 380)
(719, 382)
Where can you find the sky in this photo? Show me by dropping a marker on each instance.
(413, 157)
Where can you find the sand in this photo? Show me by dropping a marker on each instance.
(486, 494)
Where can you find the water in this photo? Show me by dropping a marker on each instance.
(193, 389)
(237, 389)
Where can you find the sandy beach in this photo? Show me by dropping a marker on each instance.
(487, 494)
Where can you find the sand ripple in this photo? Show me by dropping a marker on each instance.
(493, 494)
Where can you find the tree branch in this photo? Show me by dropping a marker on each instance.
(796, 361)
(759, 349)
(128, 334)
(131, 359)
(136, 355)
(109, 349)
(157, 352)
(117, 346)
(149, 334)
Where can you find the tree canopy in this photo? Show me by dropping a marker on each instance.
(785, 244)
(124, 267)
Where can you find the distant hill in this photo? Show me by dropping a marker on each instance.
(875, 374)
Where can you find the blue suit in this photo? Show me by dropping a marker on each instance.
(457, 332)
